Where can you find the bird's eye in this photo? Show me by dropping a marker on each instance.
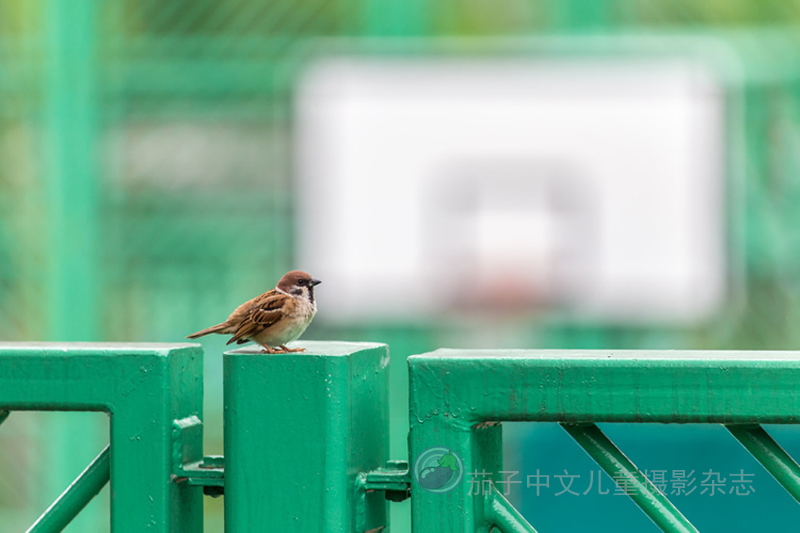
(301, 282)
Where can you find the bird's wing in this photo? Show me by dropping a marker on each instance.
(262, 312)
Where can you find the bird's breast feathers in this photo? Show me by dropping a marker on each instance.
(296, 315)
(301, 307)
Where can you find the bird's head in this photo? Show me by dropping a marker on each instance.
(298, 283)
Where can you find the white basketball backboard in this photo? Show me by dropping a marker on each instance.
(592, 188)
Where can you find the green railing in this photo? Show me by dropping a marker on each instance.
(306, 434)
(459, 398)
(144, 388)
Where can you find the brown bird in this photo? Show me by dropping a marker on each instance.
(274, 318)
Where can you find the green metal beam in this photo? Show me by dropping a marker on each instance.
(636, 485)
(144, 387)
(70, 178)
(77, 496)
(299, 429)
(71, 173)
(608, 386)
(772, 457)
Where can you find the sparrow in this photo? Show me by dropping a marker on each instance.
(274, 318)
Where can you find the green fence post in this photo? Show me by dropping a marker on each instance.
(144, 387)
(479, 446)
(299, 428)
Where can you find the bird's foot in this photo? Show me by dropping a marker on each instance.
(292, 350)
(267, 349)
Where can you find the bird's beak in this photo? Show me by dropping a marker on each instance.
(314, 282)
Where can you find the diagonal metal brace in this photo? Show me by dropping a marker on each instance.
(502, 515)
(769, 453)
(77, 496)
(640, 489)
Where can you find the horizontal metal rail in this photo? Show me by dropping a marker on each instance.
(77, 496)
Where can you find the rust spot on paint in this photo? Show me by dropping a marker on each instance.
(487, 424)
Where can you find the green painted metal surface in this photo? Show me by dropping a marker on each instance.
(503, 515)
(307, 433)
(299, 428)
(144, 388)
(613, 386)
(772, 457)
(458, 399)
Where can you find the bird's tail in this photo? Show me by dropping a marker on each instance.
(219, 328)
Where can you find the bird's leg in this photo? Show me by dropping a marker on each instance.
(267, 349)
(292, 350)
